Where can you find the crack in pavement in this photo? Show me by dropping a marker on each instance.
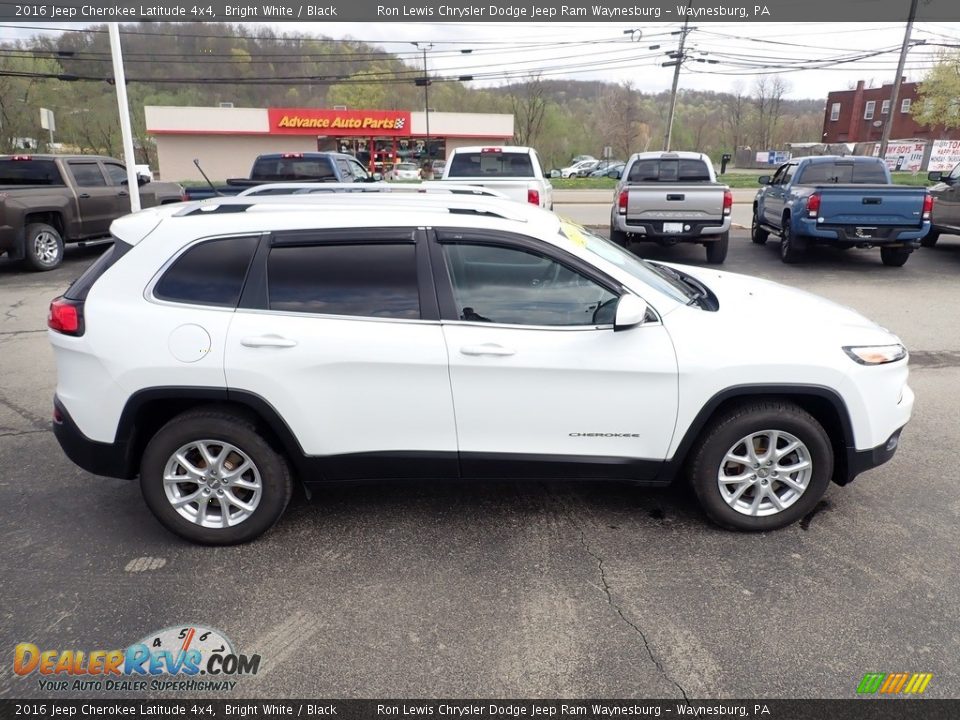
(9, 312)
(39, 423)
(934, 359)
(617, 609)
(18, 433)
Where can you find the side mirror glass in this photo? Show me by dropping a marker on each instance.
(934, 176)
(631, 312)
(764, 179)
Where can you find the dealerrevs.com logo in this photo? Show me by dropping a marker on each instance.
(894, 683)
(178, 659)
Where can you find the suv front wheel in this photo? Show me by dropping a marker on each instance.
(762, 466)
(211, 478)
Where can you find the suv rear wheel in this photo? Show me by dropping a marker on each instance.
(210, 477)
(762, 466)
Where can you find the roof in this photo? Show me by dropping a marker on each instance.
(53, 156)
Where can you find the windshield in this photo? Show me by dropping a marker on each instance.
(649, 273)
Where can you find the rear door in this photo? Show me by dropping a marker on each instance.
(339, 331)
(99, 202)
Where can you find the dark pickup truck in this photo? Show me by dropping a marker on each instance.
(840, 201)
(46, 200)
(946, 208)
(291, 167)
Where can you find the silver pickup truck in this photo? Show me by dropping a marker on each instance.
(672, 197)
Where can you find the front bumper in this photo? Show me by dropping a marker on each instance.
(859, 461)
(109, 459)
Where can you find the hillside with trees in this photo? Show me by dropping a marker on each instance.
(204, 65)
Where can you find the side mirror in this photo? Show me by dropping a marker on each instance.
(631, 312)
(142, 180)
(614, 174)
(377, 177)
(764, 179)
(934, 176)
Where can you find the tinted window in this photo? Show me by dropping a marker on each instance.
(491, 164)
(87, 174)
(117, 173)
(843, 172)
(508, 285)
(29, 172)
(371, 280)
(657, 170)
(210, 273)
(293, 168)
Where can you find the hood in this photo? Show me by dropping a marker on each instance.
(786, 309)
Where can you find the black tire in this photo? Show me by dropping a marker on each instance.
(217, 425)
(723, 436)
(895, 256)
(717, 250)
(757, 234)
(791, 250)
(44, 249)
(930, 239)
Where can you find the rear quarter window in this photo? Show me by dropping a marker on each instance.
(209, 273)
(29, 172)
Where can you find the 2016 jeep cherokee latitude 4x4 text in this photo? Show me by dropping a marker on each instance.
(221, 350)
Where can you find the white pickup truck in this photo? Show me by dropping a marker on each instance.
(672, 197)
(512, 170)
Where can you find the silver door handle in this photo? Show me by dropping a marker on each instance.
(267, 341)
(487, 349)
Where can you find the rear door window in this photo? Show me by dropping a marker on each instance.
(87, 174)
(364, 279)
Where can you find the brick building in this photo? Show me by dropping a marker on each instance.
(858, 115)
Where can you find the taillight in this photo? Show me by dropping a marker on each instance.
(66, 316)
(727, 202)
(622, 202)
(813, 205)
(533, 197)
(927, 206)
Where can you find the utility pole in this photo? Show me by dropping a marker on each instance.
(895, 95)
(426, 90)
(677, 62)
(130, 160)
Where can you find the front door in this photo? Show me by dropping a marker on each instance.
(542, 385)
(343, 345)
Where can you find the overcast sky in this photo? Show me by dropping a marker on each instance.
(502, 52)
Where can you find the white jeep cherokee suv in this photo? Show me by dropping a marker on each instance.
(222, 349)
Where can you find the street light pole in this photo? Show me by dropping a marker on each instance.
(426, 90)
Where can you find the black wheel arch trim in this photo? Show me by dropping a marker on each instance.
(673, 467)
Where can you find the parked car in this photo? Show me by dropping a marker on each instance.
(573, 170)
(581, 158)
(438, 166)
(512, 170)
(587, 168)
(945, 219)
(612, 169)
(291, 167)
(222, 355)
(47, 200)
(404, 171)
(669, 198)
(844, 202)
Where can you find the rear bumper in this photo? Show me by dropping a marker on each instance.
(109, 459)
(908, 236)
(694, 230)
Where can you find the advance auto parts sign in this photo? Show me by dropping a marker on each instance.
(311, 121)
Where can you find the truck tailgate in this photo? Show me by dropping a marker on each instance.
(513, 189)
(871, 205)
(675, 202)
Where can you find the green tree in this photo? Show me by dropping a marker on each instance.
(940, 93)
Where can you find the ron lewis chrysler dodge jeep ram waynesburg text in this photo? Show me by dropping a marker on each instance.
(223, 349)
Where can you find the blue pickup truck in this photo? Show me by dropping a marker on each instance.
(840, 201)
(320, 167)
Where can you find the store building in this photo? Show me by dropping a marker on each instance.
(226, 140)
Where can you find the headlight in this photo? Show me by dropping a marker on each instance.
(875, 354)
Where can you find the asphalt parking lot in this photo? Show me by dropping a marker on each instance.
(442, 589)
